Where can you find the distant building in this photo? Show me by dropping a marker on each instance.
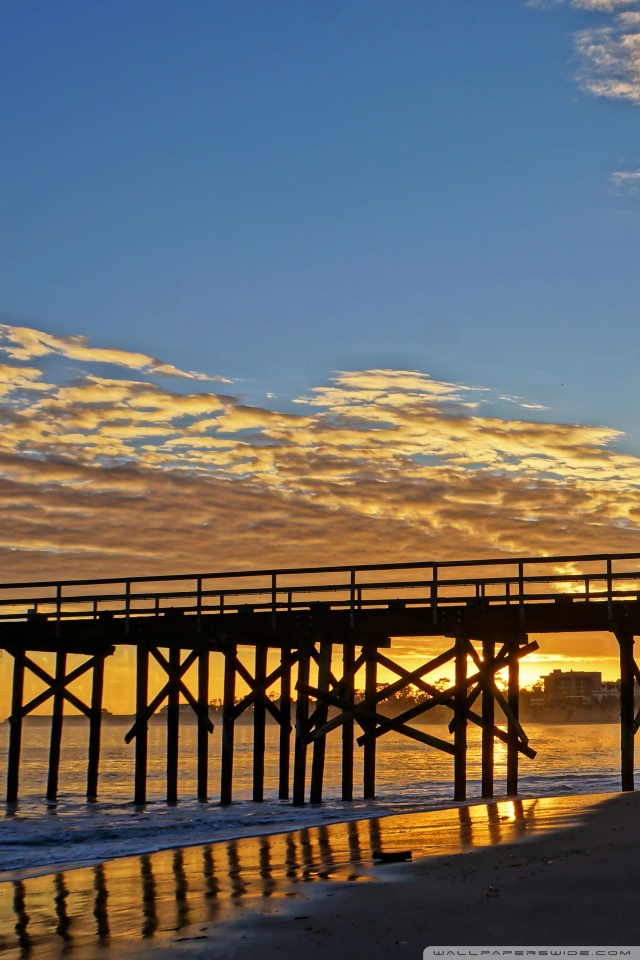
(574, 685)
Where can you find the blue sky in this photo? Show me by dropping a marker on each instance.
(272, 192)
(386, 254)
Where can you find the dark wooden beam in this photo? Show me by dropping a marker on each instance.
(142, 733)
(488, 723)
(95, 728)
(514, 730)
(302, 719)
(203, 730)
(625, 640)
(228, 722)
(259, 718)
(15, 731)
(173, 725)
(348, 664)
(285, 724)
(369, 746)
(56, 726)
(320, 714)
(460, 730)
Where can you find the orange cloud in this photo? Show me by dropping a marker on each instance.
(101, 475)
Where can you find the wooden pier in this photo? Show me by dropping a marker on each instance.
(314, 636)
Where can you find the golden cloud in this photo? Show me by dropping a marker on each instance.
(103, 475)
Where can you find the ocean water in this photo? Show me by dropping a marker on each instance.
(37, 837)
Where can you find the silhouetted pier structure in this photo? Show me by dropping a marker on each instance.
(324, 628)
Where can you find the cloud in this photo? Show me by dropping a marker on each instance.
(625, 181)
(102, 475)
(609, 58)
(608, 6)
(24, 343)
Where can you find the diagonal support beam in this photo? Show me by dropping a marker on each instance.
(259, 689)
(55, 686)
(369, 715)
(255, 687)
(160, 697)
(475, 718)
(446, 695)
(487, 680)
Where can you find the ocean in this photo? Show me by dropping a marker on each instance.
(37, 837)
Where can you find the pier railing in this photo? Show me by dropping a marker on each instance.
(597, 578)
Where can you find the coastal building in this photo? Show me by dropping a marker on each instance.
(573, 686)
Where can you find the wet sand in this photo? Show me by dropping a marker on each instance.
(554, 871)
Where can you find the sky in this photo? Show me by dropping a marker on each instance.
(322, 282)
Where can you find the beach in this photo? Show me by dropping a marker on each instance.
(559, 870)
(576, 886)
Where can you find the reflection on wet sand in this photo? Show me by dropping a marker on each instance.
(160, 894)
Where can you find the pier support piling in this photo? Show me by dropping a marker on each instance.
(56, 726)
(302, 723)
(625, 640)
(285, 724)
(95, 728)
(488, 723)
(460, 720)
(259, 719)
(228, 725)
(513, 699)
(142, 734)
(203, 733)
(15, 732)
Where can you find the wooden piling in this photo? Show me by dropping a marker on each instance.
(302, 720)
(369, 748)
(228, 722)
(460, 718)
(95, 728)
(488, 723)
(15, 732)
(348, 660)
(173, 721)
(142, 732)
(56, 727)
(259, 718)
(625, 641)
(285, 724)
(203, 733)
(513, 699)
(321, 714)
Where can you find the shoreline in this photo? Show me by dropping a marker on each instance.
(182, 898)
(573, 886)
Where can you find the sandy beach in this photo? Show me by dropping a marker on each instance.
(531, 872)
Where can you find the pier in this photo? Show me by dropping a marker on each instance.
(302, 641)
